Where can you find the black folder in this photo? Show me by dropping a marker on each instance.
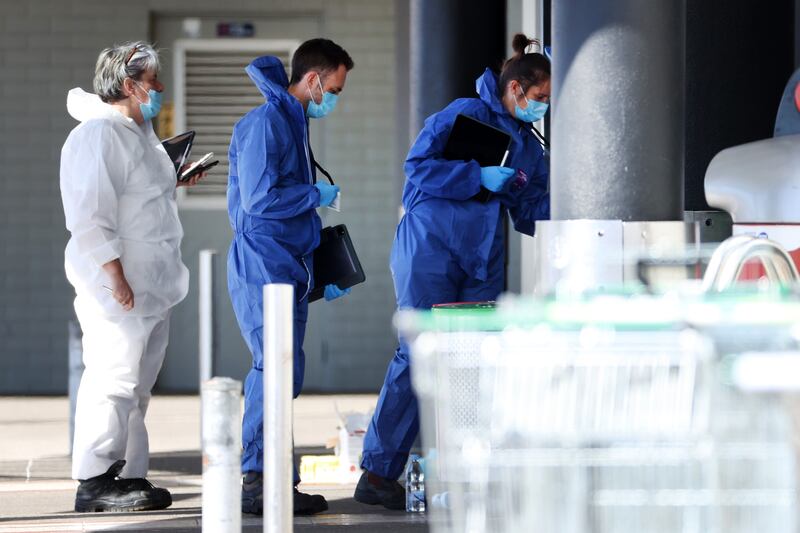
(473, 140)
(335, 261)
(178, 148)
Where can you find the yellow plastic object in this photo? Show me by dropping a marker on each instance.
(320, 469)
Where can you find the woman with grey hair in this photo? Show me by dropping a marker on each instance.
(124, 261)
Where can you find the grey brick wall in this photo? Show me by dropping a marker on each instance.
(48, 47)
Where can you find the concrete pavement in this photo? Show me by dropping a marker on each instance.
(36, 492)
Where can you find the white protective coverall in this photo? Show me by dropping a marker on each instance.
(118, 191)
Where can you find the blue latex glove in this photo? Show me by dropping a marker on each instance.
(327, 193)
(493, 178)
(332, 292)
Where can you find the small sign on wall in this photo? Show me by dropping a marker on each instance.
(235, 29)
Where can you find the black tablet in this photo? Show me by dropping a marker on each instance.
(178, 148)
(335, 261)
(473, 140)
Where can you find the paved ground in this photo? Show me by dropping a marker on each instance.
(36, 492)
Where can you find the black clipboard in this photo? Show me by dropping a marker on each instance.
(335, 261)
(178, 148)
(473, 140)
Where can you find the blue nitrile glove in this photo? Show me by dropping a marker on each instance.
(326, 193)
(332, 292)
(493, 178)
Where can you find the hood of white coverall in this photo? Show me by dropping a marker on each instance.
(83, 106)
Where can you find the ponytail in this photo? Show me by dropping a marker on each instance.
(527, 68)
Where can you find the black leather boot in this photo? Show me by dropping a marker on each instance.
(107, 492)
(253, 497)
(373, 489)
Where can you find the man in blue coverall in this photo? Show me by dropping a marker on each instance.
(272, 201)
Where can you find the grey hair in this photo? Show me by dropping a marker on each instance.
(114, 64)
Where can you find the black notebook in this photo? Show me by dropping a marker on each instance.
(178, 148)
(335, 261)
(473, 140)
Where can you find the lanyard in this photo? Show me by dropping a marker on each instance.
(318, 166)
(541, 138)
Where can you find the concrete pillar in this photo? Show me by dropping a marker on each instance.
(618, 110)
(451, 43)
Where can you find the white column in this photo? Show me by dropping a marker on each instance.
(278, 367)
(531, 23)
(206, 314)
(222, 449)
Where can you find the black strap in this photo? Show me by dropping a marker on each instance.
(318, 166)
(324, 172)
(542, 139)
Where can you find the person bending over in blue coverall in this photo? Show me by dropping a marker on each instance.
(450, 247)
(272, 203)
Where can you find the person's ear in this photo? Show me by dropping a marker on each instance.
(311, 76)
(513, 87)
(127, 87)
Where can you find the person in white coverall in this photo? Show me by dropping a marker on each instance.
(123, 259)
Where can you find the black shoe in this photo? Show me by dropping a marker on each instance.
(253, 497)
(157, 494)
(373, 489)
(107, 492)
(308, 504)
(253, 493)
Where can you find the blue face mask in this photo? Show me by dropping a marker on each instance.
(153, 105)
(316, 110)
(533, 113)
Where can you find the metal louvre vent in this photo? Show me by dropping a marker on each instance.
(217, 93)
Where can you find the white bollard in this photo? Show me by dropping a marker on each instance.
(206, 316)
(222, 452)
(278, 367)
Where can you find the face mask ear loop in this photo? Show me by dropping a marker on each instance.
(521, 96)
(134, 93)
(321, 92)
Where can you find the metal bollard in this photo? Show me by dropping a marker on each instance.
(207, 338)
(222, 450)
(278, 367)
(75, 348)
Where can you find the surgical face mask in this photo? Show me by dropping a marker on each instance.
(316, 110)
(153, 106)
(533, 113)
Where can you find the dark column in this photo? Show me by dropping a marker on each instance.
(618, 122)
(402, 22)
(452, 42)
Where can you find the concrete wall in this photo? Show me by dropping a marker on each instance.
(50, 46)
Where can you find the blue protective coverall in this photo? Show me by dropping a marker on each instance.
(272, 205)
(449, 248)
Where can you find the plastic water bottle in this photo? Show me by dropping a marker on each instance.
(440, 501)
(415, 485)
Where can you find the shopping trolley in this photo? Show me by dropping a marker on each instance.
(597, 428)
